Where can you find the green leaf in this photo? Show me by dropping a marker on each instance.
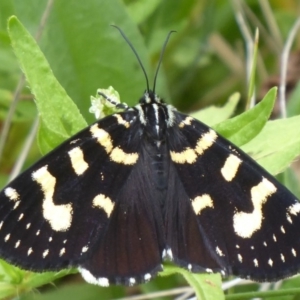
(25, 110)
(15, 281)
(293, 104)
(57, 110)
(213, 115)
(48, 139)
(206, 286)
(277, 145)
(243, 128)
(142, 9)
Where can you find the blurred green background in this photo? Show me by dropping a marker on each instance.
(204, 63)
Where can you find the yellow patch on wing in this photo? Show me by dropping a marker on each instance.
(189, 155)
(116, 154)
(245, 224)
(105, 203)
(201, 202)
(231, 167)
(58, 216)
(77, 160)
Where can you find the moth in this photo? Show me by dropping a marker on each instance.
(144, 185)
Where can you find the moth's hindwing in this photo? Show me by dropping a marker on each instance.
(247, 223)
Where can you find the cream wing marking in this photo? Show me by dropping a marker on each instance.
(201, 202)
(12, 194)
(245, 224)
(231, 167)
(77, 160)
(58, 216)
(105, 203)
(189, 155)
(121, 121)
(116, 154)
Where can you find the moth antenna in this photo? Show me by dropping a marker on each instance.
(161, 58)
(135, 53)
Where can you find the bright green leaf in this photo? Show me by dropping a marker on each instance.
(46, 141)
(277, 145)
(241, 129)
(206, 286)
(213, 115)
(58, 111)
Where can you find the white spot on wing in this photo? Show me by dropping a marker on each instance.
(1, 224)
(270, 262)
(245, 224)
(147, 276)
(45, 253)
(103, 281)
(79, 165)
(29, 251)
(288, 217)
(282, 257)
(20, 217)
(190, 267)
(208, 270)
(219, 252)
(84, 249)
(294, 252)
(169, 254)
(255, 262)
(62, 252)
(131, 281)
(274, 238)
(202, 202)
(17, 244)
(282, 229)
(105, 203)
(12, 194)
(294, 209)
(231, 167)
(58, 216)
(88, 277)
(7, 237)
(28, 225)
(240, 258)
(17, 203)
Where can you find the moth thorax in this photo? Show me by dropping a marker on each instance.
(155, 121)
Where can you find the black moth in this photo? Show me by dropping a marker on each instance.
(144, 185)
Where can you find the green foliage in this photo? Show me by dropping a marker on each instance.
(78, 52)
(246, 126)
